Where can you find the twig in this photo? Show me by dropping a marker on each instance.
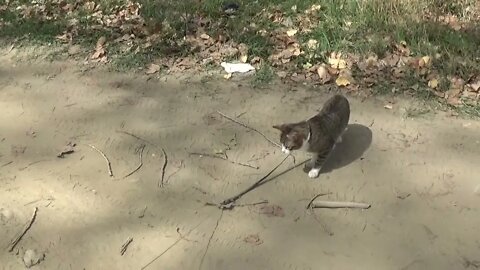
(165, 157)
(142, 147)
(105, 157)
(224, 158)
(171, 246)
(136, 137)
(235, 205)
(175, 172)
(125, 246)
(245, 126)
(27, 227)
(5, 164)
(309, 205)
(231, 200)
(331, 204)
(210, 240)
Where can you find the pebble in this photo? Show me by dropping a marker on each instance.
(32, 257)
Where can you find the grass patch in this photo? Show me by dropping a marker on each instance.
(141, 31)
(263, 76)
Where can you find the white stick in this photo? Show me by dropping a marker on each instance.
(330, 204)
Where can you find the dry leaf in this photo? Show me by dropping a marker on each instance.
(312, 44)
(153, 68)
(336, 62)
(227, 76)
(388, 106)
(433, 83)
(343, 80)
(291, 32)
(424, 62)
(204, 36)
(475, 86)
(101, 42)
(323, 74)
(253, 239)
(243, 58)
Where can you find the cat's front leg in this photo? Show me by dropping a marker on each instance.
(314, 166)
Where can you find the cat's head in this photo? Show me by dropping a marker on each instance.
(292, 137)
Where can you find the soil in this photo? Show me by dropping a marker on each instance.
(420, 175)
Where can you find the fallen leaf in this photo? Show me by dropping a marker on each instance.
(204, 36)
(227, 76)
(243, 58)
(101, 42)
(342, 80)
(433, 83)
(475, 86)
(253, 239)
(388, 106)
(323, 74)
(291, 32)
(424, 61)
(336, 62)
(312, 44)
(153, 68)
(271, 210)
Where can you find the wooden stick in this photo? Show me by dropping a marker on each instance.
(104, 157)
(224, 158)
(171, 246)
(231, 200)
(210, 240)
(245, 126)
(125, 246)
(27, 227)
(331, 204)
(142, 147)
(160, 184)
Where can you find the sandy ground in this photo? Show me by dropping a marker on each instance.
(418, 174)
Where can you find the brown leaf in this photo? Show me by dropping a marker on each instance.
(253, 239)
(475, 86)
(323, 74)
(433, 83)
(152, 68)
(101, 42)
(271, 210)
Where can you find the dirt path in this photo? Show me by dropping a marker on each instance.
(419, 175)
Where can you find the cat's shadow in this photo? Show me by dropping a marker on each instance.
(355, 141)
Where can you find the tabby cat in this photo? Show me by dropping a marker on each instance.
(317, 135)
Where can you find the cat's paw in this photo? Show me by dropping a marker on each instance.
(285, 150)
(313, 173)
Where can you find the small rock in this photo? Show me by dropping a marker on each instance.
(32, 258)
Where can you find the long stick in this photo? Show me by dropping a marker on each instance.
(109, 165)
(245, 126)
(330, 204)
(226, 159)
(236, 197)
(27, 227)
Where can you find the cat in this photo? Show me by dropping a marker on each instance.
(317, 135)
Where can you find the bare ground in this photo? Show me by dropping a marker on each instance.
(419, 174)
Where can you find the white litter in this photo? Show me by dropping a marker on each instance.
(237, 67)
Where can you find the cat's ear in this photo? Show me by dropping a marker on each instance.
(279, 127)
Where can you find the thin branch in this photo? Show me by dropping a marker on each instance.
(245, 126)
(104, 157)
(210, 240)
(309, 205)
(27, 227)
(125, 246)
(171, 246)
(165, 157)
(224, 158)
(142, 147)
(231, 200)
(330, 204)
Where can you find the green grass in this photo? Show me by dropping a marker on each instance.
(361, 27)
